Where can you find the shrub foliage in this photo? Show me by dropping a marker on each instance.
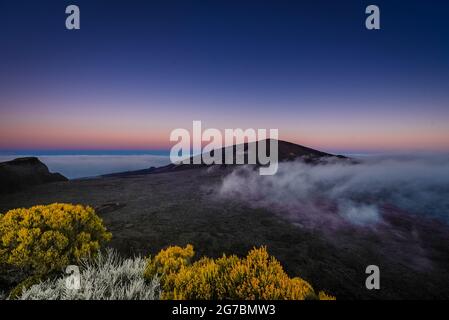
(43, 239)
(106, 277)
(257, 276)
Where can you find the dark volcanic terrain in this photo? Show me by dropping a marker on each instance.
(150, 209)
(146, 213)
(19, 174)
(287, 151)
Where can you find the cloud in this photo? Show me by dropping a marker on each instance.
(333, 192)
(80, 166)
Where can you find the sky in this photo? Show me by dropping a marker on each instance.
(136, 70)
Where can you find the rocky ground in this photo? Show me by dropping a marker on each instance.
(146, 213)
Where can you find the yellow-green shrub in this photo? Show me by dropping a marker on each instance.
(42, 239)
(257, 276)
(324, 296)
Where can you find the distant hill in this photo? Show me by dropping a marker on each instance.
(287, 151)
(20, 173)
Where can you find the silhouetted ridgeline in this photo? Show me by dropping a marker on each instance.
(287, 151)
(18, 174)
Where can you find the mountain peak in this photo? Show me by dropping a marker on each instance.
(287, 151)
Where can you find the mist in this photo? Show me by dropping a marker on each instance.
(333, 191)
(81, 166)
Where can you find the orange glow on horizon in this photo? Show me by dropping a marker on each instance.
(66, 138)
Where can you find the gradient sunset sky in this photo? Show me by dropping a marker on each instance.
(138, 69)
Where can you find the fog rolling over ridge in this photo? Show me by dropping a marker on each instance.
(337, 192)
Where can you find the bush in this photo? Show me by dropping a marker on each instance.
(257, 276)
(107, 277)
(24, 285)
(43, 239)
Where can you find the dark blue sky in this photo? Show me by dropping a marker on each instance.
(138, 69)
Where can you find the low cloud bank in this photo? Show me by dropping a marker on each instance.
(80, 166)
(338, 191)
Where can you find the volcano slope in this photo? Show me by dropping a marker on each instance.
(148, 212)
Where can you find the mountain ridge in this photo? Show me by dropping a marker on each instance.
(287, 151)
(21, 173)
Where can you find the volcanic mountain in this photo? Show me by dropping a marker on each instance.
(287, 151)
(149, 212)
